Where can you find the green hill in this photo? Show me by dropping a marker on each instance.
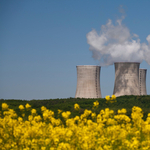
(67, 104)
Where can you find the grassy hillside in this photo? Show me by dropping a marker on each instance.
(68, 104)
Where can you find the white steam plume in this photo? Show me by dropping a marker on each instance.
(116, 44)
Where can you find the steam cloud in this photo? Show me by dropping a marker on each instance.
(117, 44)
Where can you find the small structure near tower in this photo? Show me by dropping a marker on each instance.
(142, 81)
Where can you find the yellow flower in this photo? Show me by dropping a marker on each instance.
(56, 140)
(21, 107)
(20, 119)
(59, 111)
(1, 141)
(27, 106)
(37, 118)
(43, 108)
(113, 97)
(105, 131)
(95, 104)
(47, 141)
(123, 110)
(30, 117)
(107, 97)
(93, 115)
(43, 148)
(66, 114)
(111, 100)
(23, 115)
(4, 106)
(76, 118)
(33, 111)
(76, 106)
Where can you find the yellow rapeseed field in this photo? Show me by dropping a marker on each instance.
(89, 131)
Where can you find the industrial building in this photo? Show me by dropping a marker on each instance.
(126, 78)
(88, 82)
(142, 81)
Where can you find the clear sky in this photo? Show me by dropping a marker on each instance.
(42, 42)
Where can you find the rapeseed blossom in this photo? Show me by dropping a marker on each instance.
(21, 107)
(59, 111)
(4, 106)
(122, 111)
(33, 111)
(95, 104)
(111, 99)
(107, 97)
(89, 131)
(66, 114)
(27, 106)
(76, 106)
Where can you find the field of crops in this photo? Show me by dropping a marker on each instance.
(81, 127)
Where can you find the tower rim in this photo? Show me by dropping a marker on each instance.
(89, 65)
(126, 62)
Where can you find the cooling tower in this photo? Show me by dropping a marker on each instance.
(88, 82)
(126, 78)
(142, 81)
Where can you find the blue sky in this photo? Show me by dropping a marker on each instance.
(42, 42)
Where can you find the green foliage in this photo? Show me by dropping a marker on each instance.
(126, 102)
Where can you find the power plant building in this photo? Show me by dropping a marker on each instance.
(88, 82)
(126, 78)
(142, 81)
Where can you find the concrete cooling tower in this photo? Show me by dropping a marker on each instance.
(88, 82)
(126, 78)
(142, 81)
